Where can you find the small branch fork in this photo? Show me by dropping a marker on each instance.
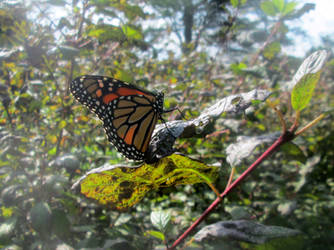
(284, 138)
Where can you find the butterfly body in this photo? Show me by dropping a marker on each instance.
(129, 113)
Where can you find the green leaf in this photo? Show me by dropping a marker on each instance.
(237, 3)
(279, 4)
(160, 220)
(60, 224)
(289, 8)
(96, 32)
(124, 75)
(41, 217)
(121, 187)
(296, 14)
(52, 151)
(269, 8)
(306, 79)
(156, 234)
(105, 32)
(271, 50)
(238, 68)
(312, 64)
(294, 152)
(132, 33)
(234, 3)
(6, 212)
(302, 92)
(62, 124)
(133, 11)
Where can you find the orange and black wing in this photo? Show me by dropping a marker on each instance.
(129, 114)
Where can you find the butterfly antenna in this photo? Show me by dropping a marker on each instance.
(175, 108)
(165, 122)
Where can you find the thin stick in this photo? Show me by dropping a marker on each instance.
(296, 122)
(280, 115)
(230, 178)
(310, 124)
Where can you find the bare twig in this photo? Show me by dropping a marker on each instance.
(310, 124)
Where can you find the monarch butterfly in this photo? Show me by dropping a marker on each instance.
(129, 114)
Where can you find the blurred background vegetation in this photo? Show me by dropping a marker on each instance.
(196, 51)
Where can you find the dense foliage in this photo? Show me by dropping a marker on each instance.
(196, 52)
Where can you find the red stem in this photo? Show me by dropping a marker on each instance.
(285, 137)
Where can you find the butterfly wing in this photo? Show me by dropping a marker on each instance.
(129, 114)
